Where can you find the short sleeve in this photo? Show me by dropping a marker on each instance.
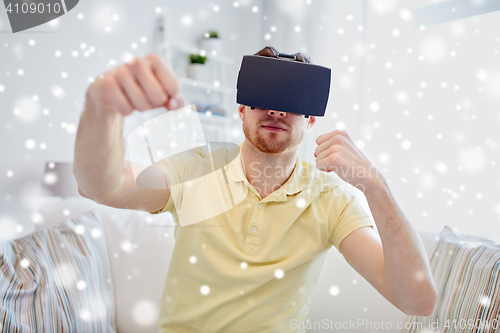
(181, 168)
(346, 215)
(174, 169)
(199, 190)
(168, 206)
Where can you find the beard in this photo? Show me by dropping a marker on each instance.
(271, 143)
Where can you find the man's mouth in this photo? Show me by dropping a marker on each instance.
(274, 127)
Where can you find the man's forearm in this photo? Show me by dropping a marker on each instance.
(99, 152)
(406, 267)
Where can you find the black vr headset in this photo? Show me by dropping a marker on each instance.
(283, 85)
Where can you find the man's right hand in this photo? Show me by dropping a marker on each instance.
(99, 166)
(142, 84)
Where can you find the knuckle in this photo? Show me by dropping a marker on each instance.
(340, 139)
(126, 109)
(121, 72)
(143, 106)
(343, 140)
(138, 64)
(332, 149)
(153, 57)
(103, 88)
(107, 82)
(130, 65)
(158, 98)
(140, 102)
(341, 131)
(335, 139)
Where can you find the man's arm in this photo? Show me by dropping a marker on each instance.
(394, 263)
(99, 166)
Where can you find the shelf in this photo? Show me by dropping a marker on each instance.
(217, 127)
(214, 117)
(194, 50)
(205, 85)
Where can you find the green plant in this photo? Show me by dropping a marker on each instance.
(211, 34)
(197, 59)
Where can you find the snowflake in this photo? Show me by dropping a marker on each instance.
(334, 290)
(205, 290)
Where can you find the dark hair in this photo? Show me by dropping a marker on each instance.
(270, 51)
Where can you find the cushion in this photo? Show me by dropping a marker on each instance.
(54, 210)
(58, 279)
(466, 273)
(139, 246)
(430, 241)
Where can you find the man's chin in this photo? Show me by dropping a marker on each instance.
(268, 144)
(271, 147)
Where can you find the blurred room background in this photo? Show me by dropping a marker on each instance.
(416, 85)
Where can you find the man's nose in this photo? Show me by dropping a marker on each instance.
(280, 114)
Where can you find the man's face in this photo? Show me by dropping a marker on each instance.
(258, 128)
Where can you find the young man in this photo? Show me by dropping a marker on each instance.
(253, 268)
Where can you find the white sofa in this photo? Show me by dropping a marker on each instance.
(139, 247)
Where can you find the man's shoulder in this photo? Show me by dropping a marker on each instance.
(219, 151)
(201, 160)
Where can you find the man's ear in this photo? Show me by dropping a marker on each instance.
(241, 108)
(311, 122)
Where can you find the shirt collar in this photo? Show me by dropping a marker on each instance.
(297, 181)
(234, 169)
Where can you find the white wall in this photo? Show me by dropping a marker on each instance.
(55, 131)
(422, 105)
(435, 132)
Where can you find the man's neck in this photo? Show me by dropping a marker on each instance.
(266, 172)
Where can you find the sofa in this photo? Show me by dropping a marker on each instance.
(139, 246)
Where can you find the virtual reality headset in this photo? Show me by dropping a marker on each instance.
(283, 85)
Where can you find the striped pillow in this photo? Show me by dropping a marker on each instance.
(57, 279)
(467, 276)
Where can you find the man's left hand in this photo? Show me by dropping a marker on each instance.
(336, 152)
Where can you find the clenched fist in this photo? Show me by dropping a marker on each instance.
(337, 153)
(142, 84)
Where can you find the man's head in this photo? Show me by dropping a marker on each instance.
(258, 123)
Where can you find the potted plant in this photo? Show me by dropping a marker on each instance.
(211, 43)
(196, 69)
